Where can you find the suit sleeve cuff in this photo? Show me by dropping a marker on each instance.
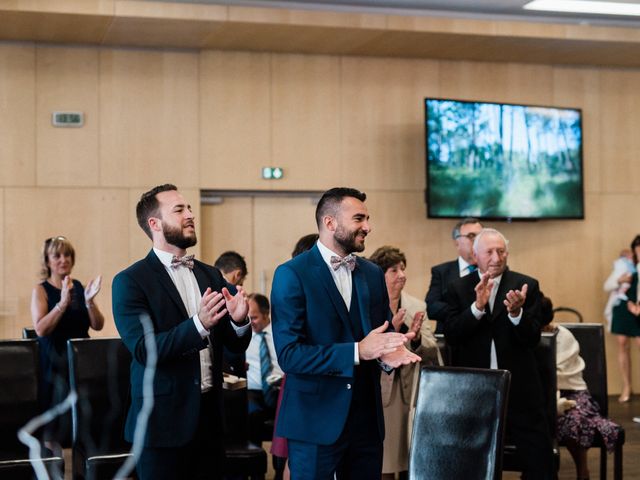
(201, 330)
(241, 329)
(476, 313)
(516, 320)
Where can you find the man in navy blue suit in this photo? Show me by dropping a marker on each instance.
(193, 315)
(330, 314)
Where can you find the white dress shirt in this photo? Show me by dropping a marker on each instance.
(187, 286)
(342, 279)
(254, 374)
(463, 267)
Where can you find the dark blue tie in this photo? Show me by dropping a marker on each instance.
(472, 268)
(268, 391)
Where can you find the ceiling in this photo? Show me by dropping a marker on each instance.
(482, 9)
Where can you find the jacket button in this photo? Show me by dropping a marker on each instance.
(348, 386)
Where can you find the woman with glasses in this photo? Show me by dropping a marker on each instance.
(61, 308)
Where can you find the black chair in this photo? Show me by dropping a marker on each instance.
(590, 336)
(242, 458)
(569, 310)
(458, 428)
(19, 374)
(545, 354)
(28, 332)
(99, 372)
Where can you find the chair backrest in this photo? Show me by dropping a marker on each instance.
(590, 337)
(28, 332)
(19, 370)
(545, 354)
(458, 428)
(99, 372)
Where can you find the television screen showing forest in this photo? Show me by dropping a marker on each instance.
(501, 161)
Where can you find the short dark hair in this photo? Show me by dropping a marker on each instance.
(261, 301)
(634, 243)
(386, 257)
(304, 243)
(455, 233)
(331, 199)
(230, 261)
(148, 206)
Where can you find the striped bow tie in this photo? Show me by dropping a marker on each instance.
(348, 262)
(187, 261)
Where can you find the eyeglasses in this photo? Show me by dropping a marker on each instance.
(470, 236)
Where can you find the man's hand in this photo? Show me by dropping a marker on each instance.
(212, 308)
(378, 343)
(398, 319)
(400, 356)
(483, 291)
(237, 304)
(515, 300)
(634, 308)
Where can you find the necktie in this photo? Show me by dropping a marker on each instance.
(348, 262)
(472, 268)
(268, 391)
(187, 261)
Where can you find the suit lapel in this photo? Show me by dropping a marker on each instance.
(201, 277)
(165, 280)
(321, 271)
(501, 294)
(362, 289)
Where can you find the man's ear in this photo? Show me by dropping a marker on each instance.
(155, 224)
(329, 223)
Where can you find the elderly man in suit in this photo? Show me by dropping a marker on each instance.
(494, 322)
(192, 313)
(330, 314)
(463, 234)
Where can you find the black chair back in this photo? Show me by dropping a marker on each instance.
(99, 372)
(545, 354)
(28, 332)
(590, 336)
(19, 373)
(458, 427)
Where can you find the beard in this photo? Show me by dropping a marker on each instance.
(347, 240)
(174, 236)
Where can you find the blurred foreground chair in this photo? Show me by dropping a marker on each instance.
(99, 372)
(458, 427)
(242, 457)
(19, 374)
(590, 336)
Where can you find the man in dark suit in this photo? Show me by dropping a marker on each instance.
(494, 322)
(188, 306)
(330, 314)
(463, 234)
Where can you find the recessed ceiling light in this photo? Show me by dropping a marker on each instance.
(585, 6)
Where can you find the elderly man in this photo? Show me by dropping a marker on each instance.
(494, 322)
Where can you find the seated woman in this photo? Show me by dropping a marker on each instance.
(579, 419)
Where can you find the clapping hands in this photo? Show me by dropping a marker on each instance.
(92, 288)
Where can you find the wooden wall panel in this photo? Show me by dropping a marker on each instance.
(306, 120)
(17, 122)
(148, 118)
(235, 119)
(67, 80)
(229, 226)
(619, 139)
(382, 110)
(92, 219)
(578, 88)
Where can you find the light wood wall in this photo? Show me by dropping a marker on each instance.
(210, 119)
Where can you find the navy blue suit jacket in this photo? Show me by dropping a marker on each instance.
(145, 288)
(315, 344)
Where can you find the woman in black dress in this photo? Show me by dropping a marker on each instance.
(61, 308)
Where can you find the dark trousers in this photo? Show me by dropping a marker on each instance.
(529, 433)
(201, 458)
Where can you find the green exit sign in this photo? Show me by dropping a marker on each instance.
(67, 119)
(272, 173)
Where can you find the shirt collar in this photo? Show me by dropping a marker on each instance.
(462, 264)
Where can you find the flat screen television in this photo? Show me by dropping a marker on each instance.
(503, 162)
